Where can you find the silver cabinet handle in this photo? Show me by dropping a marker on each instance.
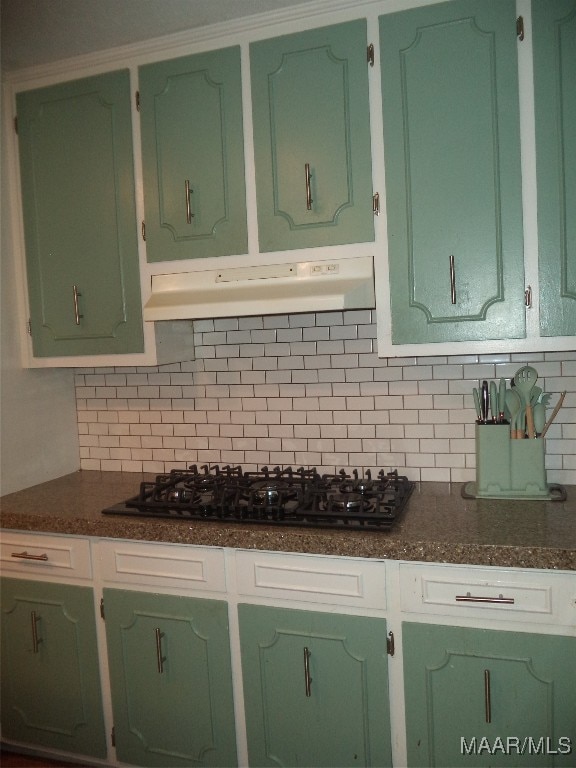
(307, 678)
(187, 193)
(75, 294)
(487, 696)
(27, 556)
(468, 598)
(452, 280)
(35, 639)
(307, 176)
(159, 658)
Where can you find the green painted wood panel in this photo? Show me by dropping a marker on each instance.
(532, 681)
(554, 40)
(345, 720)
(51, 695)
(453, 181)
(310, 106)
(77, 173)
(191, 117)
(180, 713)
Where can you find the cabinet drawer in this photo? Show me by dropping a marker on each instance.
(162, 565)
(487, 593)
(312, 578)
(39, 555)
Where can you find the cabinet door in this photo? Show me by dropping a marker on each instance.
(51, 695)
(171, 679)
(554, 38)
(315, 688)
(453, 183)
(79, 217)
(193, 156)
(466, 689)
(312, 138)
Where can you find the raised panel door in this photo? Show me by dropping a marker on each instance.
(171, 679)
(51, 695)
(554, 40)
(453, 182)
(193, 156)
(488, 697)
(77, 173)
(312, 138)
(315, 688)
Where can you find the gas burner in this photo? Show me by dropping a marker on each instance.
(293, 497)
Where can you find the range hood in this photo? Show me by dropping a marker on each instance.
(305, 286)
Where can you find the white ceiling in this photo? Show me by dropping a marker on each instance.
(39, 31)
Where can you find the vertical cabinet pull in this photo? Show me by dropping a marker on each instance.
(159, 658)
(307, 678)
(75, 294)
(35, 639)
(187, 193)
(452, 280)
(307, 177)
(487, 696)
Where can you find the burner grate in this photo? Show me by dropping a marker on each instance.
(288, 497)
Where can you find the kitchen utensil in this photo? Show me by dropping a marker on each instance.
(554, 412)
(514, 405)
(525, 379)
(535, 396)
(484, 402)
(493, 401)
(476, 396)
(502, 401)
(539, 412)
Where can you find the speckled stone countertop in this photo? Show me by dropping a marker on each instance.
(438, 525)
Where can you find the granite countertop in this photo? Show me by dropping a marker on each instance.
(437, 525)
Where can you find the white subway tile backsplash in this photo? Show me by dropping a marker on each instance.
(306, 389)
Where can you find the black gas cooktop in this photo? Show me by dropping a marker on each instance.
(290, 497)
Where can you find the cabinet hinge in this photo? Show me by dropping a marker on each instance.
(16, 123)
(113, 736)
(144, 231)
(390, 644)
(370, 54)
(528, 297)
(29, 327)
(520, 28)
(102, 615)
(376, 204)
(137, 98)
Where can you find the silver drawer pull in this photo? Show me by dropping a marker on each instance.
(468, 598)
(28, 556)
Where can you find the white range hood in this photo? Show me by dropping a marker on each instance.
(305, 286)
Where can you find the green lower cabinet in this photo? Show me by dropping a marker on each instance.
(554, 40)
(483, 697)
(171, 679)
(51, 694)
(453, 176)
(315, 688)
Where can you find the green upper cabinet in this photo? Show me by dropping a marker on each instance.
(482, 686)
(312, 138)
(171, 679)
(51, 694)
(193, 156)
(453, 179)
(554, 40)
(315, 688)
(80, 224)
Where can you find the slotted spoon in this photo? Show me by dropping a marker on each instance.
(524, 381)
